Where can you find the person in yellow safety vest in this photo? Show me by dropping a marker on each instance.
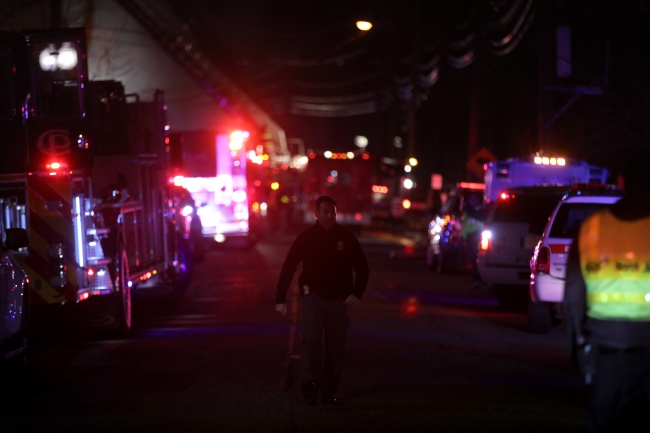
(607, 305)
(470, 232)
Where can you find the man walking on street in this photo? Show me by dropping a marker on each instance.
(331, 256)
(607, 305)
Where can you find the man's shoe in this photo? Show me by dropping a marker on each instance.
(328, 400)
(309, 392)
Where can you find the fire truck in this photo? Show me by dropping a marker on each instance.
(83, 171)
(362, 184)
(214, 169)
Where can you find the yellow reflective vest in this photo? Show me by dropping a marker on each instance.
(615, 264)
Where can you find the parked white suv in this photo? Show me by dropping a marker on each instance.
(512, 229)
(548, 264)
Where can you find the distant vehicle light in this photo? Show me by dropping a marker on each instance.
(365, 156)
(239, 196)
(407, 168)
(327, 154)
(413, 162)
(408, 183)
(186, 211)
(275, 186)
(179, 180)
(486, 240)
(472, 185)
(350, 155)
(237, 139)
(220, 238)
(406, 203)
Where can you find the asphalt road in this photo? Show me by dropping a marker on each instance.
(426, 352)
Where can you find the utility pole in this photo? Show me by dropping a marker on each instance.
(476, 87)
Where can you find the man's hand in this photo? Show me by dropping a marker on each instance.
(281, 308)
(352, 300)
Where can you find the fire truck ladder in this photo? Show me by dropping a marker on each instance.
(175, 37)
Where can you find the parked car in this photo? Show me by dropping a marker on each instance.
(513, 228)
(548, 264)
(14, 293)
(447, 248)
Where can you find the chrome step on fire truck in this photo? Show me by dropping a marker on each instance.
(85, 173)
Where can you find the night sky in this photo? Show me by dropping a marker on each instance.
(446, 77)
(286, 54)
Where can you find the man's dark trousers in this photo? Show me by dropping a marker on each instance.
(619, 398)
(320, 316)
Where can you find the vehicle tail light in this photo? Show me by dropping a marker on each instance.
(543, 261)
(486, 240)
(559, 248)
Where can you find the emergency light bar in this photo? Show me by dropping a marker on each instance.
(549, 161)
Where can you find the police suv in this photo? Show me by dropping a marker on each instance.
(548, 264)
(512, 229)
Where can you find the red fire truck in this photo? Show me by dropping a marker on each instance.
(362, 184)
(83, 170)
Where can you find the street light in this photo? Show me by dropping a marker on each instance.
(364, 26)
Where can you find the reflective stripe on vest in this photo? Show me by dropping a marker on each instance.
(615, 264)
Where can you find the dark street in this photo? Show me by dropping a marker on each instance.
(426, 352)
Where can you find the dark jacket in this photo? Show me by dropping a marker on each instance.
(329, 258)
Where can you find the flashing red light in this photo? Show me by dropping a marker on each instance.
(365, 156)
(312, 155)
(357, 216)
(178, 180)
(411, 307)
(472, 185)
(330, 179)
(91, 272)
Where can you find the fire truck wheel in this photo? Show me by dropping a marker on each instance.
(184, 268)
